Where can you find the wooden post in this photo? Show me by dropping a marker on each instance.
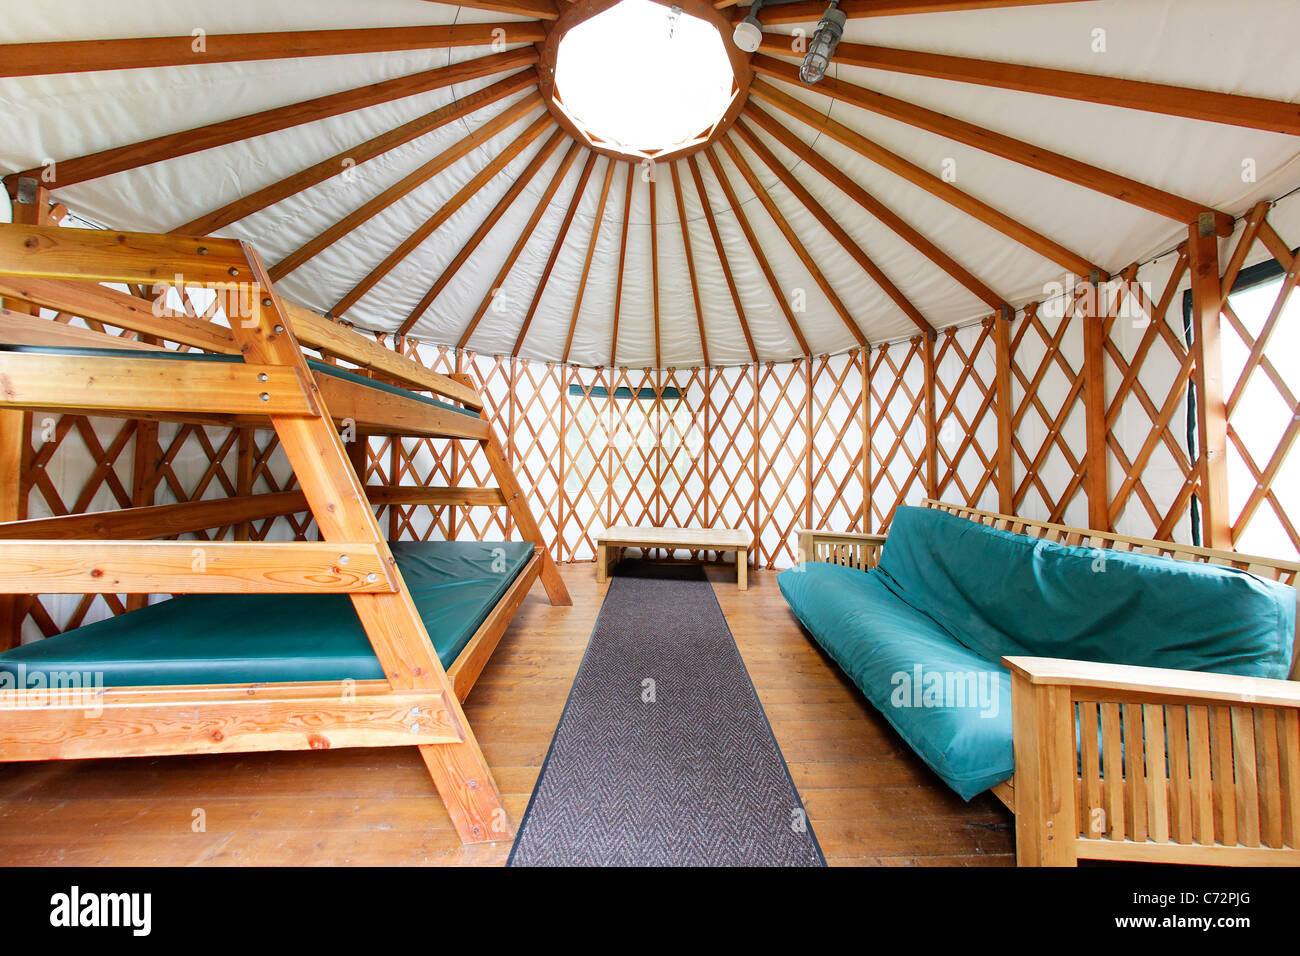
(808, 442)
(1002, 386)
(31, 208)
(1211, 407)
(931, 418)
(866, 440)
(144, 481)
(1094, 406)
(1043, 740)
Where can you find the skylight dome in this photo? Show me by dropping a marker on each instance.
(643, 79)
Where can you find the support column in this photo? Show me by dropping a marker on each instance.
(1211, 408)
(866, 440)
(1002, 386)
(31, 207)
(1094, 406)
(931, 417)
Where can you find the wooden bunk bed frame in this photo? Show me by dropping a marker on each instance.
(1223, 788)
(419, 703)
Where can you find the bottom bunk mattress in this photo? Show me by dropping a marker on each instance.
(272, 638)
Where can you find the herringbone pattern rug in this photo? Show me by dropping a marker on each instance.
(663, 756)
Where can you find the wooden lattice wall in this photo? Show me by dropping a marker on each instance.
(1072, 410)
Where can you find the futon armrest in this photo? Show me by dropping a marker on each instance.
(1093, 681)
(840, 547)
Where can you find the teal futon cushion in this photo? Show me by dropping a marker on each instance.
(952, 706)
(1006, 594)
(923, 634)
(268, 638)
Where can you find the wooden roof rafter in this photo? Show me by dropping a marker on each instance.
(830, 224)
(406, 185)
(795, 242)
(137, 53)
(444, 212)
(530, 172)
(883, 213)
(726, 266)
(1232, 109)
(565, 165)
(810, 11)
(1104, 181)
(591, 252)
(720, 175)
(556, 248)
(924, 179)
(622, 262)
(268, 196)
(690, 261)
(69, 172)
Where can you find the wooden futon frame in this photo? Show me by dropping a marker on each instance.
(1215, 778)
(418, 703)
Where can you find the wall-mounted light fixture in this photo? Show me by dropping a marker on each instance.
(818, 58)
(749, 32)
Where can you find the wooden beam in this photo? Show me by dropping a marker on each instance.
(102, 304)
(20, 328)
(1231, 109)
(85, 56)
(537, 9)
(102, 255)
(726, 266)
(69, 172)
(406, 185)
(542, 204)
(152, 721)
(690, 262)
(810, 11)
(1036, 157)
(793, 239)
(622, 262)
(192, 567)
(159, 521)
(931, 419)
(591, 251)
(759, 255)
(1211, 407)
(350, 158)
(829, 223)
(406, 495)
(331, 338)
(444, 212)
(111, 384)
(926, 180)
(467, 249)
(832, 174)
(378, 412)
(555, 251)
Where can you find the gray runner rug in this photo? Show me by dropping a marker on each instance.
(663, 755)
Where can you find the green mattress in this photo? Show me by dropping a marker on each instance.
(268, 638)
(317, 366)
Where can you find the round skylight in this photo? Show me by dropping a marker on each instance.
(644, 79)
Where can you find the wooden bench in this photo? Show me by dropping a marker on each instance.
(611, 543)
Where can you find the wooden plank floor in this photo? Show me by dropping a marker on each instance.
(870, 800)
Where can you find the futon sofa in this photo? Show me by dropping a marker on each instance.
(935, 622)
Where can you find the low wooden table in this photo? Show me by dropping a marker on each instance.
(611, 542)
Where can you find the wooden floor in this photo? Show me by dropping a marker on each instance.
(869, 799)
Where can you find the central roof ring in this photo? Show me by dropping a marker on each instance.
(579, 12)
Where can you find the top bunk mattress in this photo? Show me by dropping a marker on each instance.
(274, 638)
(165, 355)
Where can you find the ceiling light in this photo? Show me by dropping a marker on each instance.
(749, 32)
(818, 58)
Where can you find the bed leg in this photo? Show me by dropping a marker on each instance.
(468, 791)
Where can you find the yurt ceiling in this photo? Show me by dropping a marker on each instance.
(904, 191)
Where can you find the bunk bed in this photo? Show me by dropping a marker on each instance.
(348, 640)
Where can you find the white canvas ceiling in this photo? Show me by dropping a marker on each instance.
(1239, 48)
